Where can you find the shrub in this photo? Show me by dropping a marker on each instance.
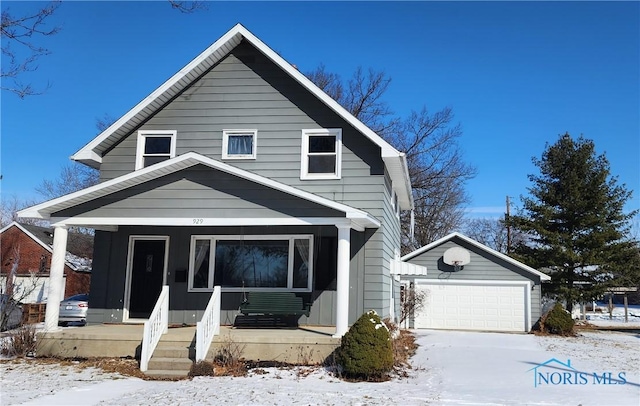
(21, 342)
(558, 321)
(366, 351)
(201, 368)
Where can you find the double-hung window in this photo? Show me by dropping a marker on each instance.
(255, 262)
(239, 144)
(155, 146)
(321, 154)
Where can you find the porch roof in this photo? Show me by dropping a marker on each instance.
(357, 218)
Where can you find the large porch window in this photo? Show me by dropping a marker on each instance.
(253, 262)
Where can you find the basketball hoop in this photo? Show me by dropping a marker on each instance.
(457, 257)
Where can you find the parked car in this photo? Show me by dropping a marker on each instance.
(74, 309)
(10, 313)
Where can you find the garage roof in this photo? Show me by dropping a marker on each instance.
(543, 276)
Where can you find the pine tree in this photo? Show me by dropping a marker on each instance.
(575, 222)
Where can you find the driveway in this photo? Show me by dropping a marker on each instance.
(498, 368)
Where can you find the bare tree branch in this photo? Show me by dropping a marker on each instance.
(188, 7)
(436, 167)
(22, 32)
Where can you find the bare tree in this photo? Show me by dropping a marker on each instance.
(438, 174)
(361, 96)
(488, 231)
(73, 177)
(19, 36)
(435, 162)
(411, 301)
(9, 207)
(188, 7)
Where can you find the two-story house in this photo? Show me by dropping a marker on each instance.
(237, 172)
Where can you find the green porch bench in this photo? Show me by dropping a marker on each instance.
(275, 304)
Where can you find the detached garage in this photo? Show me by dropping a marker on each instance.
(469, 286)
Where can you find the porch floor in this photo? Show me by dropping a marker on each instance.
(124, 340)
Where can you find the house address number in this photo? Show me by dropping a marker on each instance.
(198, 221)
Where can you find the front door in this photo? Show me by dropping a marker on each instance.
(147, 275)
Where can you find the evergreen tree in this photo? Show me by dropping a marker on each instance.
(575, 224)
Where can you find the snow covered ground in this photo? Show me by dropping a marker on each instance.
(601, 318)
(450, 368)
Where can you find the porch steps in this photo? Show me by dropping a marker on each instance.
(174, 354)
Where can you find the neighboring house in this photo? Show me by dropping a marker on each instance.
(31, 247)
(487, 290)
(238, 171)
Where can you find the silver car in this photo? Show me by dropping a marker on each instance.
(74, 309)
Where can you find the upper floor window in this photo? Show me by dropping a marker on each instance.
(239, 144)
(155, 146)
(321, 154)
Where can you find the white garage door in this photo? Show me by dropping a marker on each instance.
(473, 306)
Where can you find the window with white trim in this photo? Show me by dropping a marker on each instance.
(251, 262)
(321, 154)
(239, 144)
(155, 146)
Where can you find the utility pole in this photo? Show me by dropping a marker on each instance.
(507, 223)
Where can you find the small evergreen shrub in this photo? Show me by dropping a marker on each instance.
(558, 321)
(366, 351)
(201, 368)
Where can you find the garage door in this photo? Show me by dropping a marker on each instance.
(473, 306)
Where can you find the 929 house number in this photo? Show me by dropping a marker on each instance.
(198, 221)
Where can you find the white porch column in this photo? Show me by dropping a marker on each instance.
(56, 278)
(342, 282)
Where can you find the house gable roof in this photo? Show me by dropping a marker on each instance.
(91, 153)
(456, 235)
(43, 236)
(44, 210)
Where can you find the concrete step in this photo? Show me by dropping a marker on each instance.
(170, 364)
(166, 373)
(166, 351)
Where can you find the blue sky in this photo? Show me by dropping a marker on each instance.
(516, 75)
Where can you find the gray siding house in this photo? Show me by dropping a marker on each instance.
(238, 172)
(486, 291)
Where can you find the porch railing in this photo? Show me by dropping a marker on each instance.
(154, 328)
(405, 268)
(209, 326)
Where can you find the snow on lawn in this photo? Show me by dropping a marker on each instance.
(601, 318)
(450, 368)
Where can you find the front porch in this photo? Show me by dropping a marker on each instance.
(312, 344)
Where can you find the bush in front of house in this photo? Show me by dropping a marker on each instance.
(201, 368)
(558, 321)
(366, 351)
(20, 342)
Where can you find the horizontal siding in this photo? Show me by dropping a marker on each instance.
(200, 192)
(480, 267)
(247, 91)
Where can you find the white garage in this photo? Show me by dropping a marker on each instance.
(474, 305)
(469, 286)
